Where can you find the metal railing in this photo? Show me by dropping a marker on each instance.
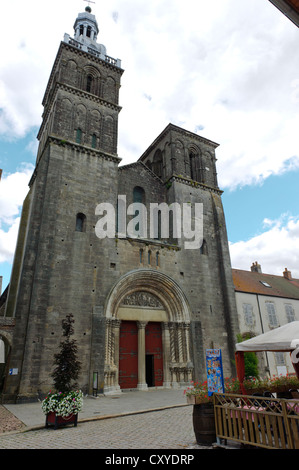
(257, 421)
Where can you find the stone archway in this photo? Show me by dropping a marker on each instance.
(144, 297)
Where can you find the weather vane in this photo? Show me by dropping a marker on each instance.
(88, 1)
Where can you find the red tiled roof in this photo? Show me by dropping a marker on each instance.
(251, 282)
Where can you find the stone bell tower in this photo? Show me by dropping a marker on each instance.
(57, 260)
(81, 99)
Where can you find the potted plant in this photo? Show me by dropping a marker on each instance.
(203, 412)
(232, 385)
(63, 405)
(255, 385)
(62, 408)
(282, 384)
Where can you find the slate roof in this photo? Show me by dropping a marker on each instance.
(251, 282)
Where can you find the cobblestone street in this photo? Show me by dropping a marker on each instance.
(9, 422)
(166, 429)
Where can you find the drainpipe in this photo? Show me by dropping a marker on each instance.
(260, 315)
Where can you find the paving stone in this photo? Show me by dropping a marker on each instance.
(166, 429)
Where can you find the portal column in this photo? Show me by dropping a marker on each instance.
(166, 354)
(116, 330)
(142, 385)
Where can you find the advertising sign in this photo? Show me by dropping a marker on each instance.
(214, 371)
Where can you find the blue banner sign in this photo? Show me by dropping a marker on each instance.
(214, 371)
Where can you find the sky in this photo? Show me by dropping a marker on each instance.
(227, 70)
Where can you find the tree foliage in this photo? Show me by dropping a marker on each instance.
(67, 366)
(250, 359)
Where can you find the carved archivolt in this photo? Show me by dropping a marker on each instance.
(142, 299)
(151, 290)
(162, 287)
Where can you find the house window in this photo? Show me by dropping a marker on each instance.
(290, 312)
(265, 284)
(279, 358)
(248, 314)
(78, 136)
(80, 222)
(271, 314)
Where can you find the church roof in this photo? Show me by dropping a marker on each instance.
(173, 128)
(129, 166)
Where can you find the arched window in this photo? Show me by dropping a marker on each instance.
(157, 258)
(141, 256)
(192, 166)
(94, 141)
(138, 197)
(80, 222)
(88, 33)
(81, 29)
(157, 225)
(89, 83)
(157, 163)
(79, 136)
(149, 257)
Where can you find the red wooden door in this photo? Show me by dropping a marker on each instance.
(128, 355)
(153, 346)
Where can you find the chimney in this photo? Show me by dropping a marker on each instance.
(256, 268)
(287, 274)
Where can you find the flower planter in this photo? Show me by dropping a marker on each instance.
(252, 391)
(195, 400)
(52, 419)
(62, 409)
(204, 423)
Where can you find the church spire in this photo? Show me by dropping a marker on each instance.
(85, 38)
(86, 27)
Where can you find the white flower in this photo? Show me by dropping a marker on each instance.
(63, 404)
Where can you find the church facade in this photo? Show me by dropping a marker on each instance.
(145, 306)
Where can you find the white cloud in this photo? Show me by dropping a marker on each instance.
(13, 189)
(275, 249)
(229, 71)
(8, 241)
(216, 66)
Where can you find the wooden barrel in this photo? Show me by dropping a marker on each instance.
(204, 423)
